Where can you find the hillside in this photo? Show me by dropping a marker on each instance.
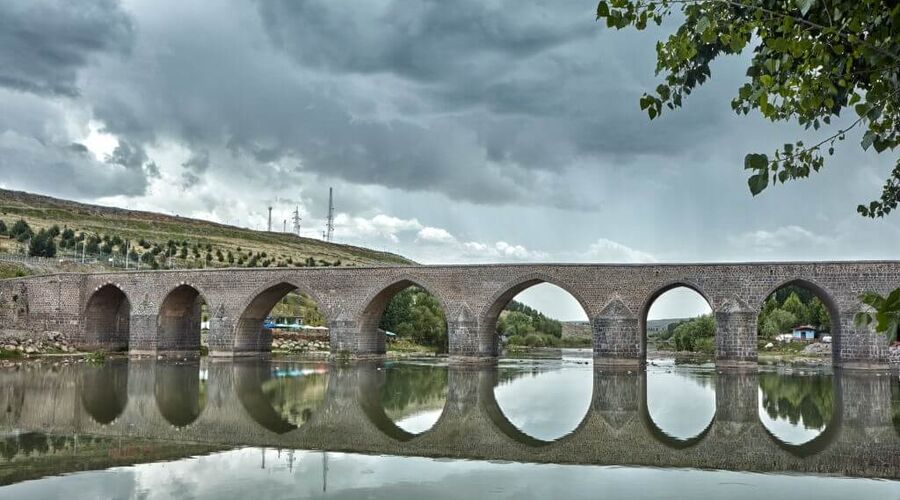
(163, 241)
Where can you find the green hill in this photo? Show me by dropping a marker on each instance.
(163, 241)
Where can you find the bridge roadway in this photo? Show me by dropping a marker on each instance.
(148, 312)
(161, 400)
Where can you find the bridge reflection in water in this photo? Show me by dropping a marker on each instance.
(360, 408)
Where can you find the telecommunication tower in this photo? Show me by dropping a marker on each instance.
(329, 224)
(296, 220)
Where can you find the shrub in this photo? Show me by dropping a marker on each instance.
(515, 340)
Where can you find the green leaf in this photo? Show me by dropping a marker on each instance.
(756, 161)
(602, 10)
(758, 182)
(702, 24)
(805, 5)
(868, 139)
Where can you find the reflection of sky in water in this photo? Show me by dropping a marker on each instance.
(681, 402)
(784, 430)
(419, 422)
(254, 473)
(551, 403)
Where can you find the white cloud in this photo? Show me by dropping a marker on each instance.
(499, 251)
(381, 225)
(604, 250)
(782, 238)
(435, 235)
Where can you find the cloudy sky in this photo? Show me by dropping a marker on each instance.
(465, 131)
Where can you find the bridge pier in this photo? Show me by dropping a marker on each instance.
(617, 342)
(736, 339)
(857, 348)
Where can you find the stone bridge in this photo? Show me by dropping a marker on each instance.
(161, 400)
(158, 312)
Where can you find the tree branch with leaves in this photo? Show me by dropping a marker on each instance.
(812, 62)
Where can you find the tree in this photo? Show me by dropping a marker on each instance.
(21, 231)
(818, 314)
(3, 228)
(795, 306)
(695, 334)
(515, 323)
(812, 61)
(42, 245)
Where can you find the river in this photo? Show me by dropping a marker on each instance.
(549, 428)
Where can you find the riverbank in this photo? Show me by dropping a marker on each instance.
(56, 348)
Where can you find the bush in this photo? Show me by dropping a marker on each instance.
(3, 228)
(696, 334)
(515, 340)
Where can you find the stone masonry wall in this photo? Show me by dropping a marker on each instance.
(616, 298)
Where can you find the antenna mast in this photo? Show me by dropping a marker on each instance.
(296, 219)
(329, 225)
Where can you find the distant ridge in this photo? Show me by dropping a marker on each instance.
(41, 211)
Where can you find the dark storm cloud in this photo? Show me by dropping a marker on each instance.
(61, 170)
(194, 167)
(420, 39)
(488, 102)
(44, 43)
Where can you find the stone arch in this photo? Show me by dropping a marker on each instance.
(826, 296)
(657, 293)
(249, 335)
(178, 319)
(488, 341)
(368, 341)
(107, 319)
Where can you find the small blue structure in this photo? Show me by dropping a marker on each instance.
(804, 332)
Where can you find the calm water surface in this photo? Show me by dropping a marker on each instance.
(522, 429)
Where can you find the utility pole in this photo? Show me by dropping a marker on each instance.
(83, 247)
(270, 220)
(127, 252)
(329, 224)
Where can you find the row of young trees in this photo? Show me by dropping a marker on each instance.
(46, 242)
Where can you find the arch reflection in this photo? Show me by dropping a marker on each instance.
(104, 390)
(895, 403)
(413, 395)
(281, 397)
(679, 404)
(543, 400)
(180, 391)
(800, 412)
